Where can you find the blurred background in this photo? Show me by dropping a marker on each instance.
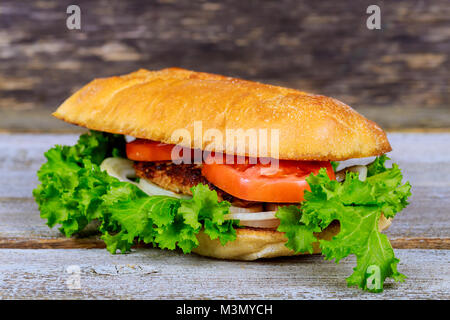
(398, 75)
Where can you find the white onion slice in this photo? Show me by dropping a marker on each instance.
(263, 215)
(154, 190)
(119, 168)
(264, 219)
(122, 169)
(362, 170)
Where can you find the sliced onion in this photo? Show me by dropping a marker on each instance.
(264, 219)
(122, 169)
(119, 168)
(154, 190)
(263, 215)
(362, 170)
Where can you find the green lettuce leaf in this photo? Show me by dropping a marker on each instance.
(357, 205)
(334, 165)
(74, 191)
(72, 183)
(300, 237)
(165, 221)
(377, 166)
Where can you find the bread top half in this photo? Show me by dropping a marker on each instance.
(155, 104)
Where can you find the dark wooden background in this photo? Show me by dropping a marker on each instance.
(398, 76)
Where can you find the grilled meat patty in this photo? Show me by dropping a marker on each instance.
(180, 178)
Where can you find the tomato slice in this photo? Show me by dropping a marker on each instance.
(148, 150)
(253, 182)
(261, 182)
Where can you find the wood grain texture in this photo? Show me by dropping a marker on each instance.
(318, 46)
(423, 224)
(156, 274)
(40, 271)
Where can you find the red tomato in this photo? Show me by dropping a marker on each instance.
(261, 182)
(253, 182)
(148, 150)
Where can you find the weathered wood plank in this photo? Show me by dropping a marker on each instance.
(318, 46)
(427, 215)
(424, 223)
(419, 243)
(156, 274)
(94, 242)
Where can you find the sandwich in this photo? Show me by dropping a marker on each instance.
(224, 168)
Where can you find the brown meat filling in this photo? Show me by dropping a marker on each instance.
(180, 178)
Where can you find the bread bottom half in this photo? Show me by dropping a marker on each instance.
(252, 243)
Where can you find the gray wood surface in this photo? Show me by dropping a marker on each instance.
(398, 74)
(420, 234)
(156, 274)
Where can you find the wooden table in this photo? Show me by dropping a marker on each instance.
(35, 260)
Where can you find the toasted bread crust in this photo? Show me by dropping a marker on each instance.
(153, 104)
(252, 244)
